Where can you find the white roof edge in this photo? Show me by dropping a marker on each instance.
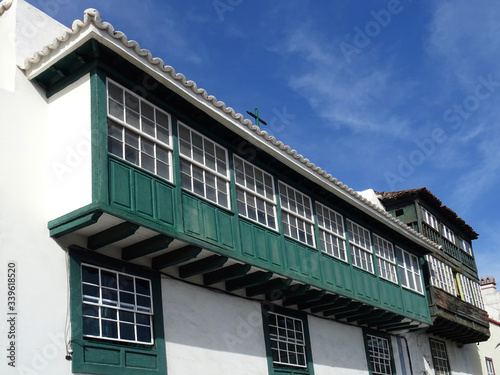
(93, 27)
(5, 5)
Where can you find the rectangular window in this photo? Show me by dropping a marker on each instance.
(204, 166)
(255, 193)
(361, 247)
(138, 131)
(379, 354)
(430, 219)
(386, 261)
(465, 246)
(448, 234)
(331, 232)
(116, 306)
(489, 367)
(409, 270)
(441, 275)
(470, 291)
(296, 214)
(439, 357)
(288, 346)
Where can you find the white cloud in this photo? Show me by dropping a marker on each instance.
(362, 97)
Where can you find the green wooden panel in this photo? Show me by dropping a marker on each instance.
(262, 245)
(260, 235)
(302, 260)
(207, 222)
(337, 275)
(226, 237)
(248, 247)
(120, 192)
(190, 210)
(365, 286)
(140, 360)
(102, 356)
(390, 295)
(165, 204)
(209, 219)
(143, 194)
(415, 304)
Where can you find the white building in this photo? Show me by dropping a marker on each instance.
(138, 239)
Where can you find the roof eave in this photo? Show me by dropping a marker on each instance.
(93, 28)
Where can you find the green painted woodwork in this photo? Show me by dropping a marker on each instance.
(95, 356)
(83, 221)
(206, 221)
(111, 235)
(387, 337)
(151, 245)
(141, 193)
(175, 257)
(287, 370)
(261, 245)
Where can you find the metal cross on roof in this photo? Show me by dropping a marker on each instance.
(255, 115)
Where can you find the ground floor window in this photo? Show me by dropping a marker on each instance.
(116, 316)
(379, 353)
(489, 367)
(440, 357)
(287, 341)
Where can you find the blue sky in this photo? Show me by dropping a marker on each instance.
(388, 95)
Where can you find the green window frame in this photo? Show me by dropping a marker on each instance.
(379, 354)
(440, 357)
(288, 345)
(108, 355)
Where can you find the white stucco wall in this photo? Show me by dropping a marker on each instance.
(211, 333)
(70, 163)
(41, 287)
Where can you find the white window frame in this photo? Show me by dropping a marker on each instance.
(331, 232)
(386, 260)
(470, 291)
(409, 270)
(441, 275)
(490, 370)
(96, 307)
(478, 296)
(379, 351)
(430, 219)
(288, 340)
(465, 246)
(255, 193)
(204, 173)
(440, 357)
(361, 246)
(296, 214)
(448, 234)
(465, 288)
(136, 131)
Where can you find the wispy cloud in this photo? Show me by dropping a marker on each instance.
(359, 97)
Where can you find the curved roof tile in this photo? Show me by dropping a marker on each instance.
(93, 17)
(5, 5)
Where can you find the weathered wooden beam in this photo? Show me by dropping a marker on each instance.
(377, 316)
(204, 265)
(362, 312)
(146, 247)
(293, 291)
(227, 273)
(312, 295)
(339, 302)
(271, 286)
(111, 235)
(175, 257)
(256, 278)
(328, 299)
(343, 311)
